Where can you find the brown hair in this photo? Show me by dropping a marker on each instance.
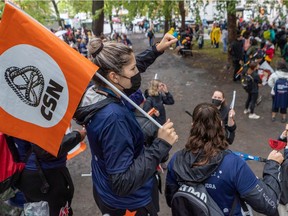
(223, 95)
(110, 57)
(207, 136)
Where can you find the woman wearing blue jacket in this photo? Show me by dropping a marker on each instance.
(225, 175)
(122, 169)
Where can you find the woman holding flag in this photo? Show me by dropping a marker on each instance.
(122, 170)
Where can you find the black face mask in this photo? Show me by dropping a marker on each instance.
(136, 83)
(216, 102)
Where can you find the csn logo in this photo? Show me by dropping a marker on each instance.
(36, 84)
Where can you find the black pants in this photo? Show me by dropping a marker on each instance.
(104, 208)
(237, 67)
(276, 109)
(251, 101)
(60, 192)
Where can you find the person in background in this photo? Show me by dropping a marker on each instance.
(126, 41)
(217, 35)
(237, 53)
(151, 36)
(279, 98)
(212, 35)
(226, 176)
(269, 50)
(83, 48)
(254, 92)
(46, 177)
(253, 49)
(225, 39)
(284, 53)
(200, 34)
(283, 204)
(157, 95)
(227, 115)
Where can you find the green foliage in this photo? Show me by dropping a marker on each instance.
(72, 7)
(1, 8)
(198, 5)
(39, 10)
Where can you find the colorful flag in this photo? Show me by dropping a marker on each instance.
(42, 80)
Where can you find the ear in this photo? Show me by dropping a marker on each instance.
(113, 76)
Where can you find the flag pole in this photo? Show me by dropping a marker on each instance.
(129, 100)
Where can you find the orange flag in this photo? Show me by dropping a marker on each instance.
(42, 80)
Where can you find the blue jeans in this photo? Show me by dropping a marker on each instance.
(151, 41)
(225, 40)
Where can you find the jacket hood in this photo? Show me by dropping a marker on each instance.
(185, 172)
(91, 102)
(281, 74)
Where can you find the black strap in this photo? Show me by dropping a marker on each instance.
(45, 186)
(233, 205)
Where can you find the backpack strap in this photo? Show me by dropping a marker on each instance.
(233, 205)
(45, 186)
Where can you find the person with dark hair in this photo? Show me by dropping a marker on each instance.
(126, 41)
(151, 36)
(281, 38)
(227, 115)
(226, 176)
(254, 91)
(284, 51)
(253, 49)
(237, 54)
(122, 169)
(279, 92)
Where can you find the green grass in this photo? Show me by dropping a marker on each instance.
(212, 52)
(219, 55)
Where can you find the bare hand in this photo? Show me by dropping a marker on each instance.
(276, 156)
(284, 134)
(167, 133)
(166, 42)
(232, 113)
(163, 88)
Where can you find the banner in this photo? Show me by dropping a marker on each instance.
(42, 80)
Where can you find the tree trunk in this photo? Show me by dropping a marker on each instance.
(57, 13)
(232, 20)
(111, 23)
(182, 14)
(166, 25)
(98, 22)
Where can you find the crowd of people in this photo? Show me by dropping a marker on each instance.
(127, 148)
